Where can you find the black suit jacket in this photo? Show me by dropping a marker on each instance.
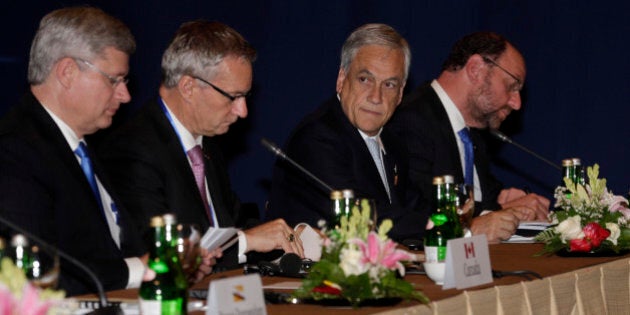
(44, 190)
(330, 147)
(422, 122)
(150, 171)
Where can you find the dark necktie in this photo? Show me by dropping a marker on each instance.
(86, 165)
(469, 158)
(198, 167)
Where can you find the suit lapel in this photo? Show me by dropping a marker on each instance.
(446, 133)
(178, 159)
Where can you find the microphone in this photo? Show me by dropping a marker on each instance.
(277, 151)
(501, 136)
(104, 307)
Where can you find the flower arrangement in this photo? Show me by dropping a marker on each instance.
(589, 218)
(20, 297)
(358, 264)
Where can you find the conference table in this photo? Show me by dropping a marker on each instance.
(504, 258)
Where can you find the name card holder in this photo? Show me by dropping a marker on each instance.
(236, 295)
(467, 263)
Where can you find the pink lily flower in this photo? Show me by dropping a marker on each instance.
(380, 253)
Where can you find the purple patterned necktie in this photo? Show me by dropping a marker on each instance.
(198, 167)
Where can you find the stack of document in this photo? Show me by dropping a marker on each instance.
(215, 237)
(527, 230)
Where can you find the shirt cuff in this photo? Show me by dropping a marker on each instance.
(242, 246)
(136, 272)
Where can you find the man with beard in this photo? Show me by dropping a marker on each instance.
(479, 86)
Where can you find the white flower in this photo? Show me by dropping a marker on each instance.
(351, 263)
(614, 232)
(570, 229)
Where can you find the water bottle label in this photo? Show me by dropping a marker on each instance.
(153, 307)
(435, 253)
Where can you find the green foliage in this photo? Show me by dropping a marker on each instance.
(327, 279)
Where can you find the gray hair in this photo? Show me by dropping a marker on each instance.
(77, 32)
(374, 34)
(199, 46)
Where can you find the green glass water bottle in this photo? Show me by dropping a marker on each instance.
(160, 296)
(341, 204)
(578, 172)
(451, 206)
(20, 253)
(440, 228)
(567, 171)
(172, 237)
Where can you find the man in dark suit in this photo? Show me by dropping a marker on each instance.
(479, 86)
(334, 141)
(165, 160)
(77, 68)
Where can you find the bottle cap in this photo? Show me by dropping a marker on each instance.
(169, 219)
(449, 179)
(438, 180)
(336, 195)
(567, 162)
(19, 240)
(347, 193)
(157, 221)
(576, 161)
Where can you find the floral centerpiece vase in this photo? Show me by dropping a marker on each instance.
(589, 220)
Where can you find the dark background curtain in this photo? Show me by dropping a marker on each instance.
(575, 100)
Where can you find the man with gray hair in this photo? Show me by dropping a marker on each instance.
(51, 183)
(343, 142)
(166, 160)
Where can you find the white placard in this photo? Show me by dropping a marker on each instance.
(236, 295)
(467, 262)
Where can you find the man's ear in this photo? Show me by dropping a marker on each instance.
(475, 68)
(185, 86)
(65, 71)
(340, 79)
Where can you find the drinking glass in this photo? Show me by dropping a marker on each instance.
(188, 248)
(465, 205)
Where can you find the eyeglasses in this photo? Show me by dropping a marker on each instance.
(232, 98)
(114, 81)
(518, 81)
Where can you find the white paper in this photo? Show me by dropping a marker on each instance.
(284, 285)
(467, 262)
(215, 237)
(531, 226)
(312, 243)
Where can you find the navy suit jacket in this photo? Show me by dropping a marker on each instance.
(150, 171)
(329, 146)
(44, 190)
(422, 122)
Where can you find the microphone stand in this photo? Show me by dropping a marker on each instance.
(501, 136)
(105, 308)
(277, 151)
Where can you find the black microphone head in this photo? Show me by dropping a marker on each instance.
(290, 264)
(500, 135)
(272, 147)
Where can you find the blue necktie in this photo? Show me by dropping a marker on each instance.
(86, 165)
(469, 157)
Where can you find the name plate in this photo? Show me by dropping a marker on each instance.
(236, 295)
(467, 263)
